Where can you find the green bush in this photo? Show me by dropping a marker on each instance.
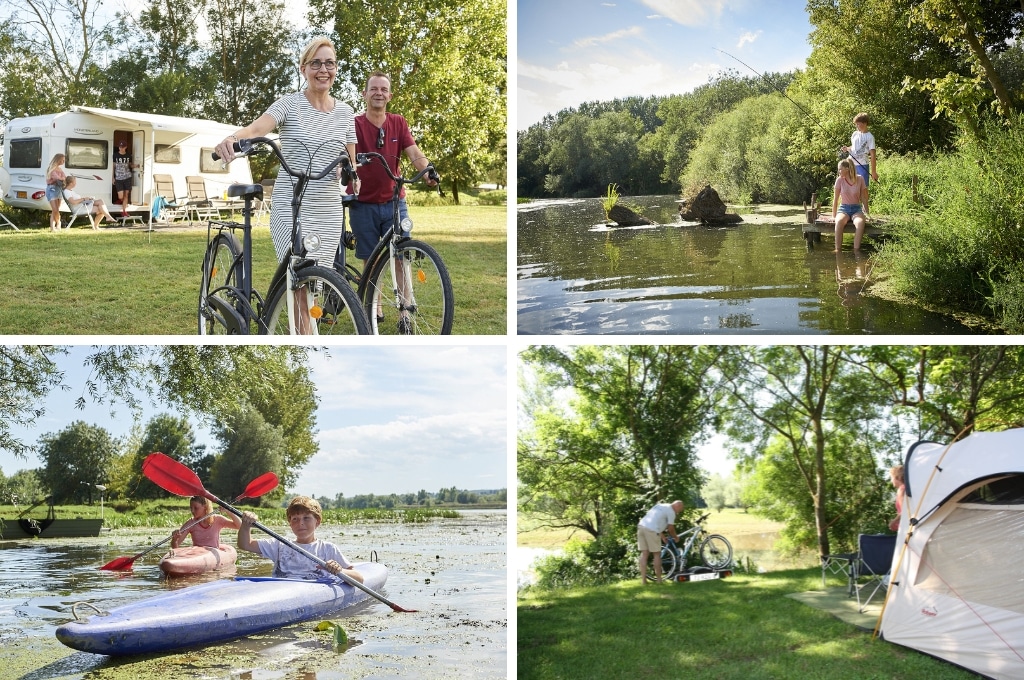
(606, 559)
(962, 245)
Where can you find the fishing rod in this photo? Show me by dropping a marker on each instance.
(783, 93)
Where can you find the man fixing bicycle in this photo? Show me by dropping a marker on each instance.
(649, 535)
(388, 134)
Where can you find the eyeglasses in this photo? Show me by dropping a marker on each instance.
(380, 137)
(316, 64)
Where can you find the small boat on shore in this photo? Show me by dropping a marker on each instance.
(50, 526)
(200, 559)
(212, 612)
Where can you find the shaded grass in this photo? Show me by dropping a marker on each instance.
(741, 627)
(119, 283)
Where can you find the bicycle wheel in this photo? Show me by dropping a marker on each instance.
(218, 270)
(716, 552)
(669, 562)
(423, 304)
(333, 304)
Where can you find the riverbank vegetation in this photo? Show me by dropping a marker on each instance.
(608, 431)
(944, 93)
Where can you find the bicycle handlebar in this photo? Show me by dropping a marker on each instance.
(247, 146)
(429, 171)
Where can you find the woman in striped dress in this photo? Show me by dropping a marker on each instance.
(313, 128)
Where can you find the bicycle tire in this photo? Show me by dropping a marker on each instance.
(669, 562)
(218, 270)
(432, 310)
(341, 313)
(716, 552)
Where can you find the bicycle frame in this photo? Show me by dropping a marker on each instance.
(237, 316)
(693, 533)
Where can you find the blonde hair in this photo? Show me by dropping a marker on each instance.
(54, 163)
(70, 181)
(313, 46)
(207, 503)
(847, 170)
(304, 504)
(896, 473)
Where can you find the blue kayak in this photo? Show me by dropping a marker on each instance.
(213, 612)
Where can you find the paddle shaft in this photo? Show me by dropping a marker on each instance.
(294, 546)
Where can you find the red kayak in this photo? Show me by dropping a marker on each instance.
(197, 560)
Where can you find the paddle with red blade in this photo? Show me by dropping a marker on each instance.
(172, 476)
(265, 483)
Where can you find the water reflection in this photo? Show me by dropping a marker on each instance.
(577, 275)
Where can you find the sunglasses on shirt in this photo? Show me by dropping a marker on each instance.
(380, 137)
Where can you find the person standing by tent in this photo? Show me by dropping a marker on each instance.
(648, 534)
(896, 475)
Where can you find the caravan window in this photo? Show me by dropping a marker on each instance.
(87, 154)
(166, 153)
(207, 164)
(27, 153)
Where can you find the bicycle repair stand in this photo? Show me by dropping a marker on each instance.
(701, 574)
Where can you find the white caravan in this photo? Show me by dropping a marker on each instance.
(87, 136)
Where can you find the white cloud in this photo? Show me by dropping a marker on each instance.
(631, 32)
(688, 12)
(748, 37)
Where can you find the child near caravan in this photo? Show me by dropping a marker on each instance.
(93, 207)
(55, 178)
(304, 516)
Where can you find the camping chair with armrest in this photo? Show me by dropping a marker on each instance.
(82, 209)
(839, 564)
(199, 204)
(174, 207)
(873, 562)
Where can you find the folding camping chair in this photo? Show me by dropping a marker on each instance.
(199, 204)
(173, 208)
(839, 563)
(873, 562)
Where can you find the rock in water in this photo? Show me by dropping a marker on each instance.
(707, 207)
(624, 217)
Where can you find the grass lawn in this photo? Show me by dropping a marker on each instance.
(83, 282)
(742, 628)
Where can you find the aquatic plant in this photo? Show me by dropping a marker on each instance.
(610, 199)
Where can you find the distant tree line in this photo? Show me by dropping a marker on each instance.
(422, 498)
(929, 77)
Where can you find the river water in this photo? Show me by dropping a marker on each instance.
(577, 275)
(452, 571)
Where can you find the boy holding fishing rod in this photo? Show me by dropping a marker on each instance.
(862, 148)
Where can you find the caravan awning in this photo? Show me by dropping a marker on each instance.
(159, 122)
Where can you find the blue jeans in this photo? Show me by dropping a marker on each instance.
(370, 221)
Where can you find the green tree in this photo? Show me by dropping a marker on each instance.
(627, 437)
(796, 404)
(448, 66)
(27, 374)
(75, 460)
(251, 447)
(172, 436)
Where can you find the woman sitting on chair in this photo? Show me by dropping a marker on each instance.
(94, 208)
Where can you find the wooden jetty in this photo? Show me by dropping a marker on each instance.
(817, 223)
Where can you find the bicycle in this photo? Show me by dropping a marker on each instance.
(715, 550)
(404, 286)
(228, 302)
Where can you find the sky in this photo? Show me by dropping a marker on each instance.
(576, 51)
(390, 419)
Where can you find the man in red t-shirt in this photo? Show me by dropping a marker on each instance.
(387, 134)
(372, 214)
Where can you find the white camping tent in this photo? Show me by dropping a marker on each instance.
(957, 588)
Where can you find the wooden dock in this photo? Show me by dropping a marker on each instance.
(817, 223)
